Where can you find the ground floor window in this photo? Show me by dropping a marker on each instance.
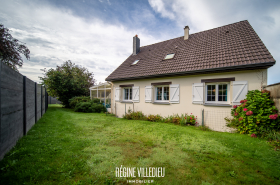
(127, 94)
(162, 93)
(217, 93)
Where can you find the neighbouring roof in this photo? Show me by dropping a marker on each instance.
(232, 47)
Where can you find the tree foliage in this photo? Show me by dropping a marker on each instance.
(67, 81)
(10, 49)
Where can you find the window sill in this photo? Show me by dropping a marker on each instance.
(126, 101)
(217, 105)
(162, 103)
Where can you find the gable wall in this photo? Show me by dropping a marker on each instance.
(255, 78)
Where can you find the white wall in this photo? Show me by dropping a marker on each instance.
(213, 115)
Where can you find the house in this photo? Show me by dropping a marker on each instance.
(210, 70)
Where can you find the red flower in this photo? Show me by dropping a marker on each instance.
(242, 101)
(245, 101)
(185, 118)
(190, 117)
(249, 113)
(245, 109)
(195, 116)
(191, 113)
(273, 116)
(195, 122)
(235, 114)
(254, 135)
(235, 106)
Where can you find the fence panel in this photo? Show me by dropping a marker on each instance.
(30, 104)
(43, 100)
(11, 108)
(38, 102)
(18, 107)
(214, 119)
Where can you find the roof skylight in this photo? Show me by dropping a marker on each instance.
(169, 56)
(135, 62)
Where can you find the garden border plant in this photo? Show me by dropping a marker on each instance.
(184, 119)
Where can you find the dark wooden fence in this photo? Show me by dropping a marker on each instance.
(23, 102)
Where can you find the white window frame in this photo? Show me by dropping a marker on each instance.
(155, 93)
(217, 93)
(129, 95)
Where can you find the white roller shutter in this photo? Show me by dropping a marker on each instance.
(135, 94)
(239, 91)
(197, 91)
(174, 93)
(117, 93)
(148, 93)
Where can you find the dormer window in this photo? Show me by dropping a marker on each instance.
(135, 62)
(169, 56)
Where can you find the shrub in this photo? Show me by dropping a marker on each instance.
(256, 114)
(89, 107)
(191, 120)
(75, 100)
(154, 118)
(78, 99)
(134, 115)
(184, 119)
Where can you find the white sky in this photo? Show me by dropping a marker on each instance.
(98, 34)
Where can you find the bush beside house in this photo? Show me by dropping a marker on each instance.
(85, 104)
(184, 119)
(256, 116)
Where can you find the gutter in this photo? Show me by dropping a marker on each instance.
(212, 70)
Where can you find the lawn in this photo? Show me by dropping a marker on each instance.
(66, 147)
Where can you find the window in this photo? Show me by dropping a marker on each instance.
(169, 56)
(135, 62)
(217, 93)
(162, 93)
(127, 94)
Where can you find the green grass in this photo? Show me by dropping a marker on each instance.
(66, 147)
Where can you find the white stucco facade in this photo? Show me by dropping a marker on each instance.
(213, 114)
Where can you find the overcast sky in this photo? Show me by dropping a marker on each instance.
(97, 34)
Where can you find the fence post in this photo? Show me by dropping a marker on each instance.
(0, 106)
(41, 100)
(24, 105)
(46, 100)
(202, 117)
(35, 102)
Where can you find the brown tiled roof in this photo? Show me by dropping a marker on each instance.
(231, 47)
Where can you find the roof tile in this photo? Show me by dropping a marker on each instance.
(209, 49)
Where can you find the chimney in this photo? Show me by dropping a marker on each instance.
(136, 45)
(186, 29)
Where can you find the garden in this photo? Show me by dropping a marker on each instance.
(68, 147)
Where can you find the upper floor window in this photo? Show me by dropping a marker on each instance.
(169, 56)
(135, 62)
